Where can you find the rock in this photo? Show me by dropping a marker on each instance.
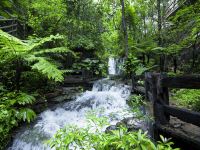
(139, 90)
(110, 128)
(63, 94)
(177, 125)
(71, 90)
(53, 94)
(60, 98)
(133, 124)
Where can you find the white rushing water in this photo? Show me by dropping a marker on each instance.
(106, 94)
(111, 66)
(115, 66)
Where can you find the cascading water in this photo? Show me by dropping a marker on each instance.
(114, 66)
(106, 94)
(111, 66)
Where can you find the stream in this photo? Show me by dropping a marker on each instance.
(109, 95)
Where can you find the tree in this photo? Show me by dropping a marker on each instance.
(124, 28)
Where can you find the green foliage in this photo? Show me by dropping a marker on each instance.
(92, 137)
(13, 49)
(185, 24)
(165, 144)
(5, 8)
(188, 98)
(131, 64)
(92, 65)
(46, 17)
(13, 110)
(136, 102)
(15, 55)
(49, 69)
(134, 66)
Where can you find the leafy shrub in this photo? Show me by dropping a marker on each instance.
(92, 138)
(13, 111)
(189, 98)
(131, 64)
(134, 65)
(91, 65)
(136, 102)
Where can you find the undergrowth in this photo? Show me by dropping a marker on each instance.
(92, 137)
(189, 98)
(13, 106)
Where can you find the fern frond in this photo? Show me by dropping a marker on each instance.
(24, 99)
(158, 49)
(11, 46)
(48, 69)
(26, 114)
(12, 43)
(54, 50)
(42, 41)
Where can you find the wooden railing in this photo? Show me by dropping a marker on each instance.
(9, 25)
(173, 7)
(157, 91)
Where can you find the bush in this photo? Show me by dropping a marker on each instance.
(136, 103)
(13, 111)
(189, 98)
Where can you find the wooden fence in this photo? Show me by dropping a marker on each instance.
(157, 91)
(9, 25)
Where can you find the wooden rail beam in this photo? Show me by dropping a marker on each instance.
(15, 30)
(188, 82)
(190, 142)
(183, 114)
(5, 27)
(8, 19)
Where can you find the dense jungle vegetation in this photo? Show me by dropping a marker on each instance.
(57, 38)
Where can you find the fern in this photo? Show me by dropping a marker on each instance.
(42, 41)
(54, 50)
(12, 48)
(12, 98)
(24, 99)
(26, 114)
(49, 69)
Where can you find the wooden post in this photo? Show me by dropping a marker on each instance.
(162, 98)
(147, 86)
(133, 82)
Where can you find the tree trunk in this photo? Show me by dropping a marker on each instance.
(18, 75)
(148, 58)
(124, 29)
(175, 64)
(162, 62)
(159, 23)
(194, 53)
(143, 58)
(159, 34)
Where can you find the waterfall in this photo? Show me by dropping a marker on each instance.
(114, 66)
(106, 94)
(111, 66)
